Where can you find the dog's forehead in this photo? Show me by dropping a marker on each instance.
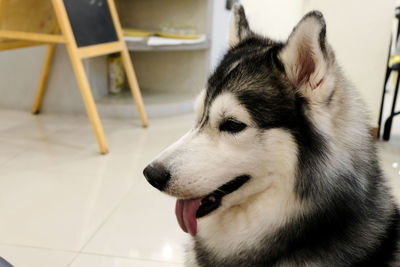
(254, 75)
(249, 72)
(252, 64)
(247, 57)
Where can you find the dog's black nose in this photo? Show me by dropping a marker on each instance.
(157, 175)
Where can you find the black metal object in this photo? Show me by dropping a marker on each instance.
(230, 3)
(384, 91)
(388, 123)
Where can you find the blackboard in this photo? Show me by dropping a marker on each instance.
(91, 21)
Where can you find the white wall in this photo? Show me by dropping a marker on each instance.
(220, 27)
(20, 71)
(273, 18)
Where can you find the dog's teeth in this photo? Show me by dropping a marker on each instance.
(212, 199)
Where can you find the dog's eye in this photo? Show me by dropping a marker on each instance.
(232, 126)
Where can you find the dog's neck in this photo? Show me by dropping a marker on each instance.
(239, 226)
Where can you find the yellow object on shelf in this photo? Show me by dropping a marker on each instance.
(116, 78)
(178, 36)
(145, 33)
(137, 33)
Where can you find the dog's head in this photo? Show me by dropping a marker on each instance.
(259, 105)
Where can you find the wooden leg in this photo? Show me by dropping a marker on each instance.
(133, 84)
(87, 96)
(77, 65)
(43, 79)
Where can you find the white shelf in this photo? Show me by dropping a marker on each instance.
(168, 78)
(141, 45)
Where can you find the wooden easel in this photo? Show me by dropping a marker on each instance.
(76, 54)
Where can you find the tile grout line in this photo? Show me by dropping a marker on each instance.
(37, 247)
(79, 252)
(105, 220)
(14, 157)
(27, 149)
(127, 257)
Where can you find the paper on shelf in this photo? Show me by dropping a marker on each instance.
(157, 41)
(134, 39)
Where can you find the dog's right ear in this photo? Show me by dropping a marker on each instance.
(239, 27)
(304, 55)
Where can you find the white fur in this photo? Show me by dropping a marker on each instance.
(190, 256)
(195, 160)
(260, 206)
(204, 159)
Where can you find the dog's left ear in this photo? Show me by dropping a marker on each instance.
(304, 55)
(239, 28)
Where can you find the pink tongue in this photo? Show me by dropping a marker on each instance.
(185, 211)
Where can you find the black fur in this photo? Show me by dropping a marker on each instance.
(353, 222)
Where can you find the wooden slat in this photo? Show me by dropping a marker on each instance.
(115, 18)
(35, 16)
(30, 36)
(77, 65)
(2, 7)
(17, 44)
(99, 49)
(43, 78)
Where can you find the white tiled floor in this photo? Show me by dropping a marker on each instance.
(63, 204)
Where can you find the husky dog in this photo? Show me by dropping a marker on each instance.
(280, 168)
